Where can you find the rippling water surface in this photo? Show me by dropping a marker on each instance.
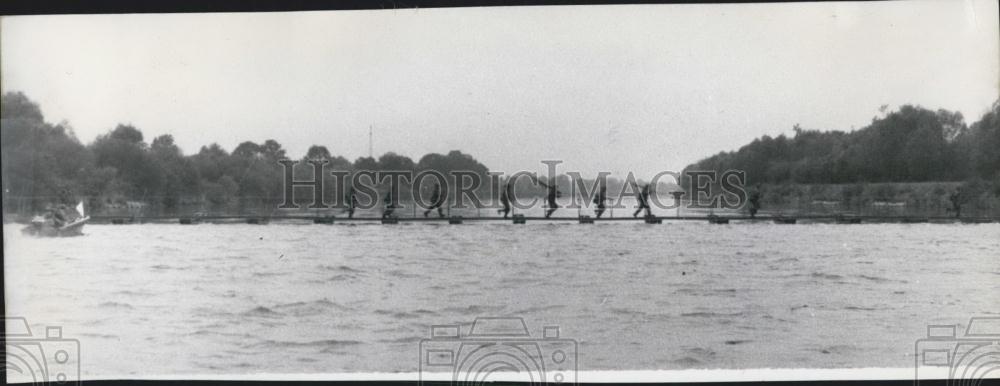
(286, 298)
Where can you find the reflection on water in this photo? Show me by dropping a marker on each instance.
(283, 298)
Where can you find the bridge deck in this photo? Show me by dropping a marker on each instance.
(763, 218)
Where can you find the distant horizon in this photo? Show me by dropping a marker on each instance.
(147, 137)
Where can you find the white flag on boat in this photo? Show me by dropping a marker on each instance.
(79, 209)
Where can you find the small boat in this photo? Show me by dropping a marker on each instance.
(45, 227)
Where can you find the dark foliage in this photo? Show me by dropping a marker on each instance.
(120, 172)
(910, 145)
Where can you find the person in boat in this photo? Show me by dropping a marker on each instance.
(551, 195)
(754, 201)
(352, 202)
(600, 199)
(643, 198)
(437, 201)
(59, 216)
(505, 196)
(390, 206)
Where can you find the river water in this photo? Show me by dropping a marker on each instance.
(301, 298)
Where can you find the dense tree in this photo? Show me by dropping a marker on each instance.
(318, 152)
(981, 145)
(124, 149)
(42, 163)
(180, 178)
(454, 161)
(211, 162)
(910, 145)
(365, 163)
(395, 162)
(255, 169)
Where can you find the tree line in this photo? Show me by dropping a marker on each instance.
(120, 171)
(912, 144)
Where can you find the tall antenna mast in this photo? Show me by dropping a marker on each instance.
(370, 152)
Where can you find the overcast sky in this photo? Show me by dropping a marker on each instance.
(617, 88)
